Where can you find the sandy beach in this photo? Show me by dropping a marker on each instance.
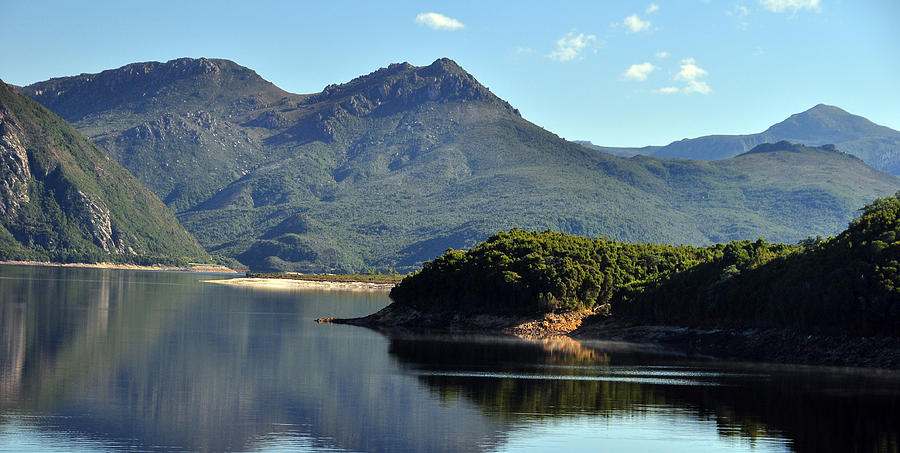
(294, 284)
(196, 268)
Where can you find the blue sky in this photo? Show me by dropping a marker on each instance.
(617, 73)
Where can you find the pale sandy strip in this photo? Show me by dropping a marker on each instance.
(198, 268)
(290, 284)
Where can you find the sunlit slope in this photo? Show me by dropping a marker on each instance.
(64, 199)
(394, 167)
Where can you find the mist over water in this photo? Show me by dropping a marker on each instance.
(113, 360)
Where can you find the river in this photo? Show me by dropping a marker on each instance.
(123, 360)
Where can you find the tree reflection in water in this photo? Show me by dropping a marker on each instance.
(816, 409)
(160, 361)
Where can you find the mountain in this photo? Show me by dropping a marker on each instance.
(169, 123)
(879, 146)
(394, 167)
(619, 151)
(63, 199)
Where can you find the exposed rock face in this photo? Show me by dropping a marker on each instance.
(14, 168)
(97, 217)
(16, 173)
(63, 199)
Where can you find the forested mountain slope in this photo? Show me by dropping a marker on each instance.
(63, 199)
(394, 167)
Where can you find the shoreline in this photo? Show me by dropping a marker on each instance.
(204, 268)
(770, 346)
(295, 284)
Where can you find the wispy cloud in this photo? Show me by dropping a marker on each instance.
(438, 21)
(781, 6)
(739, 11)
(667, 90)
(635, 24)
(571, 46)
(639, 72)
(691, 75)
(662, 54)
(652, 8)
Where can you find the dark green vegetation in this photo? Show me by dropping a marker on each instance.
(63, 199)
(524, 271)
(877, 145)
(392, 168)
(845, 284)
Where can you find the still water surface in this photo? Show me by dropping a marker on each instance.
(112, 360)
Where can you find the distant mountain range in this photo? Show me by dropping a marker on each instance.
(63, 199)
(394, 167)
(878, 146)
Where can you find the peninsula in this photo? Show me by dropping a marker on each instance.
(825, 300)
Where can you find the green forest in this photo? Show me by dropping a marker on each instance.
(846, 284)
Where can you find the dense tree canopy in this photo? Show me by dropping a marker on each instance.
(849, 283)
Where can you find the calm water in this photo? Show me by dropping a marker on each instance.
(100, 360)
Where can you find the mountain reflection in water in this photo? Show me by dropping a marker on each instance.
(123, 360)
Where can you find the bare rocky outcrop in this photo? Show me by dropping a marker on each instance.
(14, 169)
(99, 221)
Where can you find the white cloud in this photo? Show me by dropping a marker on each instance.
(438, 21)
(635, 23)
(691, 74)
(739, 11)
(639, 72)
(662, 54)
(522, 50)
(780, 6)
(571, 46)
(652, 8)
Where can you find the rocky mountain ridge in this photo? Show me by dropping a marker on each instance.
(393, 167)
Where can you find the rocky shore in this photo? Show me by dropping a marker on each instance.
(760, 345)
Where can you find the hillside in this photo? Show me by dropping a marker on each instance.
(394, 167)
(171, 124)
(64, 199)
(845, 285)
(877, 145)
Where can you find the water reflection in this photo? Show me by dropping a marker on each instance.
(159, 361)
(122, 360)
(804, 408)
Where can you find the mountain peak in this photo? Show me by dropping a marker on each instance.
(404, 84)
(444, 66)
(825, 108)
(825, 124)
(202, 80)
